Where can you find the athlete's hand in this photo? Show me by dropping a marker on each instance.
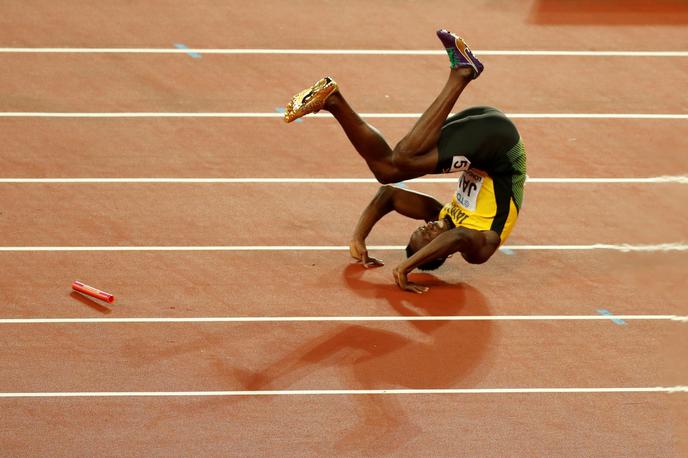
(358, 251)
(403, 283)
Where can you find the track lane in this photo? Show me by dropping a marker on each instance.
(602, 425)
(172, 83)
(174, 284)
(314, 214)
(315, 148)
(298, 356)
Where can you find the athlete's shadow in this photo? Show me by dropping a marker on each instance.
(412, 354)
(444, 353)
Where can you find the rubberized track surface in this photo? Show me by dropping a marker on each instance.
(92, 376)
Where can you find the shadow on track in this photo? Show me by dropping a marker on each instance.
(384, 355)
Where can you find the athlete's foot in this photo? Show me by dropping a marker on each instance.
(310, 100)
(460, 56)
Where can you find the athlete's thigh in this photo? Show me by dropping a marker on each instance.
(418, 165)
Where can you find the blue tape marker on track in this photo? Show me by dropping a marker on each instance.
(507, 251)
(195, 55)
(606, 312)
(281, 110)
(401, 184)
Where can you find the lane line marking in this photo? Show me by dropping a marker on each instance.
(188, 51)
(625, 248)
(615, 319)
(354, 52)
(141, 114)
(282, 319)
(81, 394)
(681, 179)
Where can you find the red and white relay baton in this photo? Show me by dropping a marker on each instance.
(93, 292)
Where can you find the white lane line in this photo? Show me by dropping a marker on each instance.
(281, 319)
(625, 248)
(353, 52)
(26, 114)
(662, 179)
(113, 394)
(683, 179)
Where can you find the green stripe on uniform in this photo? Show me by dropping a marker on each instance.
(517, 157)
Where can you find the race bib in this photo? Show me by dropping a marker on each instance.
(468, 190)
(459, 163)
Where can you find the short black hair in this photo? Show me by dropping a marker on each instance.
(430, 265)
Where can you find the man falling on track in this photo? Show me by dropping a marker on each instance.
(480, 142)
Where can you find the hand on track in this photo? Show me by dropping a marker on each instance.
(403, 283)
(358, 251)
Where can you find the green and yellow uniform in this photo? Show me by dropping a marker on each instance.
(485, 147)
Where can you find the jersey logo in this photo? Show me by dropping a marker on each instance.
(459, 163)
(457, 215)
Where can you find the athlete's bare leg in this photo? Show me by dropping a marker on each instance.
(416, 154)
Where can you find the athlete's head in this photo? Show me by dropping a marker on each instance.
(424, 235)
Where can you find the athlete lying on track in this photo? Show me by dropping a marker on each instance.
(480, 142)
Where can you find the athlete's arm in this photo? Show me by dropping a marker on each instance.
(390, 198)
(475, 246)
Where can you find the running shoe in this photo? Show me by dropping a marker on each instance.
(459, 53)
(310, 100)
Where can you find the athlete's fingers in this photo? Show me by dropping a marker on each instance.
(416, 288)
(374, 262)
(358, 251)
(369, 261)
(403, 283)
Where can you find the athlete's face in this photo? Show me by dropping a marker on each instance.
(427, 233)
